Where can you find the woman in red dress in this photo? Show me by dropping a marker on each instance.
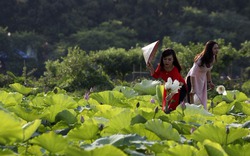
(169, 67)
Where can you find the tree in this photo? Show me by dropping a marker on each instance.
(75, 72)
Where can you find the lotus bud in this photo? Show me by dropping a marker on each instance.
(156, 109)
(192, 130)
(138, 105)
(86, 96)
(55, 90)
(183, 105)
(212, 104)
(227, 130)
(101, 126)
(82, 119)
(152, 100)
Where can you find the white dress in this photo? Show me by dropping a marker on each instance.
(200, 82)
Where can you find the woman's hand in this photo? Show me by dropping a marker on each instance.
(150, 68)
(211, 85)
(191, 95)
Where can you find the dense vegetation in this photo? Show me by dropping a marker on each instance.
(123, 121)
(44, 39)
(73, 80)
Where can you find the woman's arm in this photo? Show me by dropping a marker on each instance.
(150, 68)
(192, 91)
(209, 80)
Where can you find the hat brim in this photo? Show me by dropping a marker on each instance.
(149, 51)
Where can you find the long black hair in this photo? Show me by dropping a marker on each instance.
(168, 52)
(207, 55)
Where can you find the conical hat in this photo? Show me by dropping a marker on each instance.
(149, 51)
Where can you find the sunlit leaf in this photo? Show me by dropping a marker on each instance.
(30, 128)
(183, 128)
(118, 122)
(227, 119)
(140, 130)
(107, 111)
(28, 114)
(214, 148)
(118, 140)
(217, 132)
(163, 130)
(108, 150)
(127, 91)
(7, 152)
(30, 150)
(10, 99)
(223, 108)
(63, 100)
(243, 107)
(51, 142)
(194, 109)
(68, 116)
(159, 93)
(11, 130)
(113, 98)
(185, 150)
(147, 87)
(239, 150)
(87, 131)
(21, 89)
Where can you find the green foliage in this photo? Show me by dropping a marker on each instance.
(246, 87)
(117, 63)
(76, 71)
(111, 122)
(106, 35)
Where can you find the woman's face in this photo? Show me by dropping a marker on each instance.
(168, 61)
(215, 49)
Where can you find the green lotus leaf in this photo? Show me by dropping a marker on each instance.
(163, 130)
(223, 108)
(63, 100)
(10, 99)
(118, 122)
(243, 107)
(239, 150)
(138, 119)
(104, 150)
(21, 89)
(127, 91)
(30, 128)
(10, 130)
(140, 130)
(58, 103)
(113, 98)
(28, 114)
(246, 124)
(183, 128)
(118, 140)
(185, 150)
(30, 150)
(236, 95)
(217, 132)
(146, 87)
(227, 119)
(159, 93)
(192, 109)
(68, 116)
(51, 142)
(214, 148)
(107, 111)
(87, 131)
(7, 152)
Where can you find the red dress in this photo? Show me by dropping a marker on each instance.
(164, 75)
